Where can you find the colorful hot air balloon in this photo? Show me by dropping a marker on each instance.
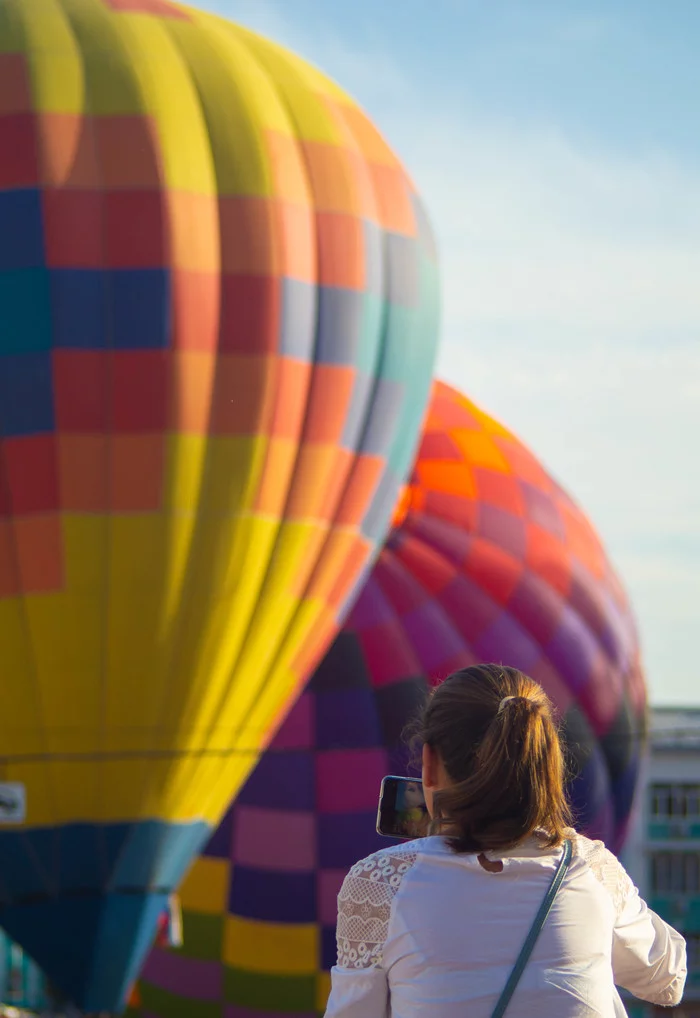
(218, 298)
(488, 560)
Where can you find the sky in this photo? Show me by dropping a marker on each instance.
(557, 147)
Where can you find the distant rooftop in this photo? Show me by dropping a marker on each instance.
(673, 728)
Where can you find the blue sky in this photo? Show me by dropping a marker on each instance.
(557, 145)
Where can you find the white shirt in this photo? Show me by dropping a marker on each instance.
(423, 932)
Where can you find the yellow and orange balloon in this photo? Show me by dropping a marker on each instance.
(218, 319)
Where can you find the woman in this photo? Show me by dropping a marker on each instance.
(432, 928)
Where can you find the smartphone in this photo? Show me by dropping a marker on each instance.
(402, 811)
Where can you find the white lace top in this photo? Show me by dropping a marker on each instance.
(423, 932)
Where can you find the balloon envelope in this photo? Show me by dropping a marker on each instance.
(217, 330)
(489, 560)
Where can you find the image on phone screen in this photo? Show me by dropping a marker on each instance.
(402, 811)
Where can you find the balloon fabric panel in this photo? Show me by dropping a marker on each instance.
(218, 297)
(488, 560)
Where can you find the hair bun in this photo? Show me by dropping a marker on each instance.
(506, 699)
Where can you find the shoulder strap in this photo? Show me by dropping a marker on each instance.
(535, 929)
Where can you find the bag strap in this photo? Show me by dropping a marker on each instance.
(535, 930)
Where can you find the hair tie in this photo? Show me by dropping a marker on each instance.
(505, 700)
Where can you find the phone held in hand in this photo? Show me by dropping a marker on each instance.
(402, 811)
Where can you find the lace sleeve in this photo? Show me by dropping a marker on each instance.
(607, 869)
(364, 907)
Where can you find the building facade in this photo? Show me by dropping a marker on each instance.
(663, 850)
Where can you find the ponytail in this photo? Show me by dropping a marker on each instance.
(494, 731)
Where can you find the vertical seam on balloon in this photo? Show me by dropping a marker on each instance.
(108, 375)
(188, 585)
(254, 608)
(303, 161)
(5, 481)
(149, 772)
(87, 122)
(187, 588)
(380, 360)
(239, 730)
(52, 882)
(381, 354)
(361, 433)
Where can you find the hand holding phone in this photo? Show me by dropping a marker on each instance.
(402, 811)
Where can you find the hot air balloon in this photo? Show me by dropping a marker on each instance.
(488, 560)
(218, 304)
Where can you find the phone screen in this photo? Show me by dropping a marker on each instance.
(402, 811)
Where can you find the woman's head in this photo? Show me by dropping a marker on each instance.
(493, 768)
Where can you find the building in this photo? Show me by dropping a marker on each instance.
(663, 851)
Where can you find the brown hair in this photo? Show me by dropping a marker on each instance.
(503, 756)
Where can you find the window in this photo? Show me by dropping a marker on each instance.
(675, 872)
(693, 801)
(693, 942)
(661, 800)
(661, 871)
(675, 802)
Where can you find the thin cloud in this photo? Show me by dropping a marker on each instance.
(533, 229)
